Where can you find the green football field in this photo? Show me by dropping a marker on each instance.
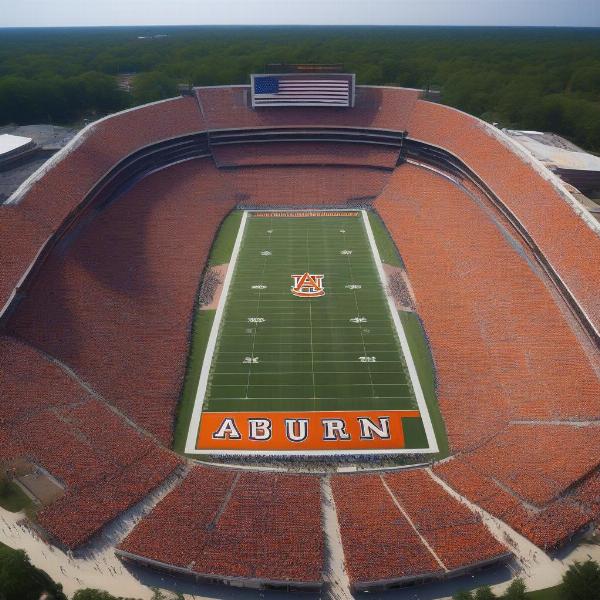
(338, 352)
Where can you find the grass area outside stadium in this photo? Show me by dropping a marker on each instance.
(12, 497)
(553, 593)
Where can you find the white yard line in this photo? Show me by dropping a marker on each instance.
(359, 454)
(301, 327)
(276, 344)
(293, 362)
(190, 446)
(261, 282)
(399, 410)
(358, 314)
(334, 352)
(412, 370)
(269, 385)
(305, 373)
(312, 348)
(312, 353)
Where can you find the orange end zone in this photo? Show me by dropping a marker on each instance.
(302, 431)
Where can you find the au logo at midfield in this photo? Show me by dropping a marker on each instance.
(308, 286)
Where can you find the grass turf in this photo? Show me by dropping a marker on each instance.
(421, 354)
(12, 497)
(201, 330)
(221, 250)
(308, 350)
(220, 253)
(387, 249)
(553, 593)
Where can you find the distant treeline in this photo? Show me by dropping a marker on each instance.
(532, 78)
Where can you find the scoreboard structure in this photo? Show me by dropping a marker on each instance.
(336, 90)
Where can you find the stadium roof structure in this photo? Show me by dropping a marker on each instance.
(574, 165)
(553, 155)
(106, 247)
(11, 143)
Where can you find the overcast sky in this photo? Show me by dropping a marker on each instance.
(43, 13)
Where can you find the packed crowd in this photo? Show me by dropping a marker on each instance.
(308, 153)
(178, 528)
(45, 204)
(379, 543)
(76, 517)
(48, 419)
(29, 385)
(306, 186)
(398, 289)
(495, 329)
(383, 108)
(454, 532)
(539, 472)
(116, 304)
(588, 494)
(496, 357)
(225, 524)
(548, 528)
(270, 529)
(21, 238)
(565, 239)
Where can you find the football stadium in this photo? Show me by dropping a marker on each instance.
(298, 331)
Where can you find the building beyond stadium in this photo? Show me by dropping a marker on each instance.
(107, 247)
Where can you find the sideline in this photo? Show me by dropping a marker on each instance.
(412, 370)
(190, 446)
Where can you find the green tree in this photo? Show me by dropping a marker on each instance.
(100, 92)
(541, 78)
(582, 581)
(463, 595)
(516, 590)
(154, 85)
(20, 580)
(485, 593)
(93, 594)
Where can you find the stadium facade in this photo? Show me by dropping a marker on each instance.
(103, 253)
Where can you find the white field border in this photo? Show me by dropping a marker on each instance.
(194, 426)
(190, 446)
(410, 363)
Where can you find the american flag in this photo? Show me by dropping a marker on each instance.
(304, 90)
